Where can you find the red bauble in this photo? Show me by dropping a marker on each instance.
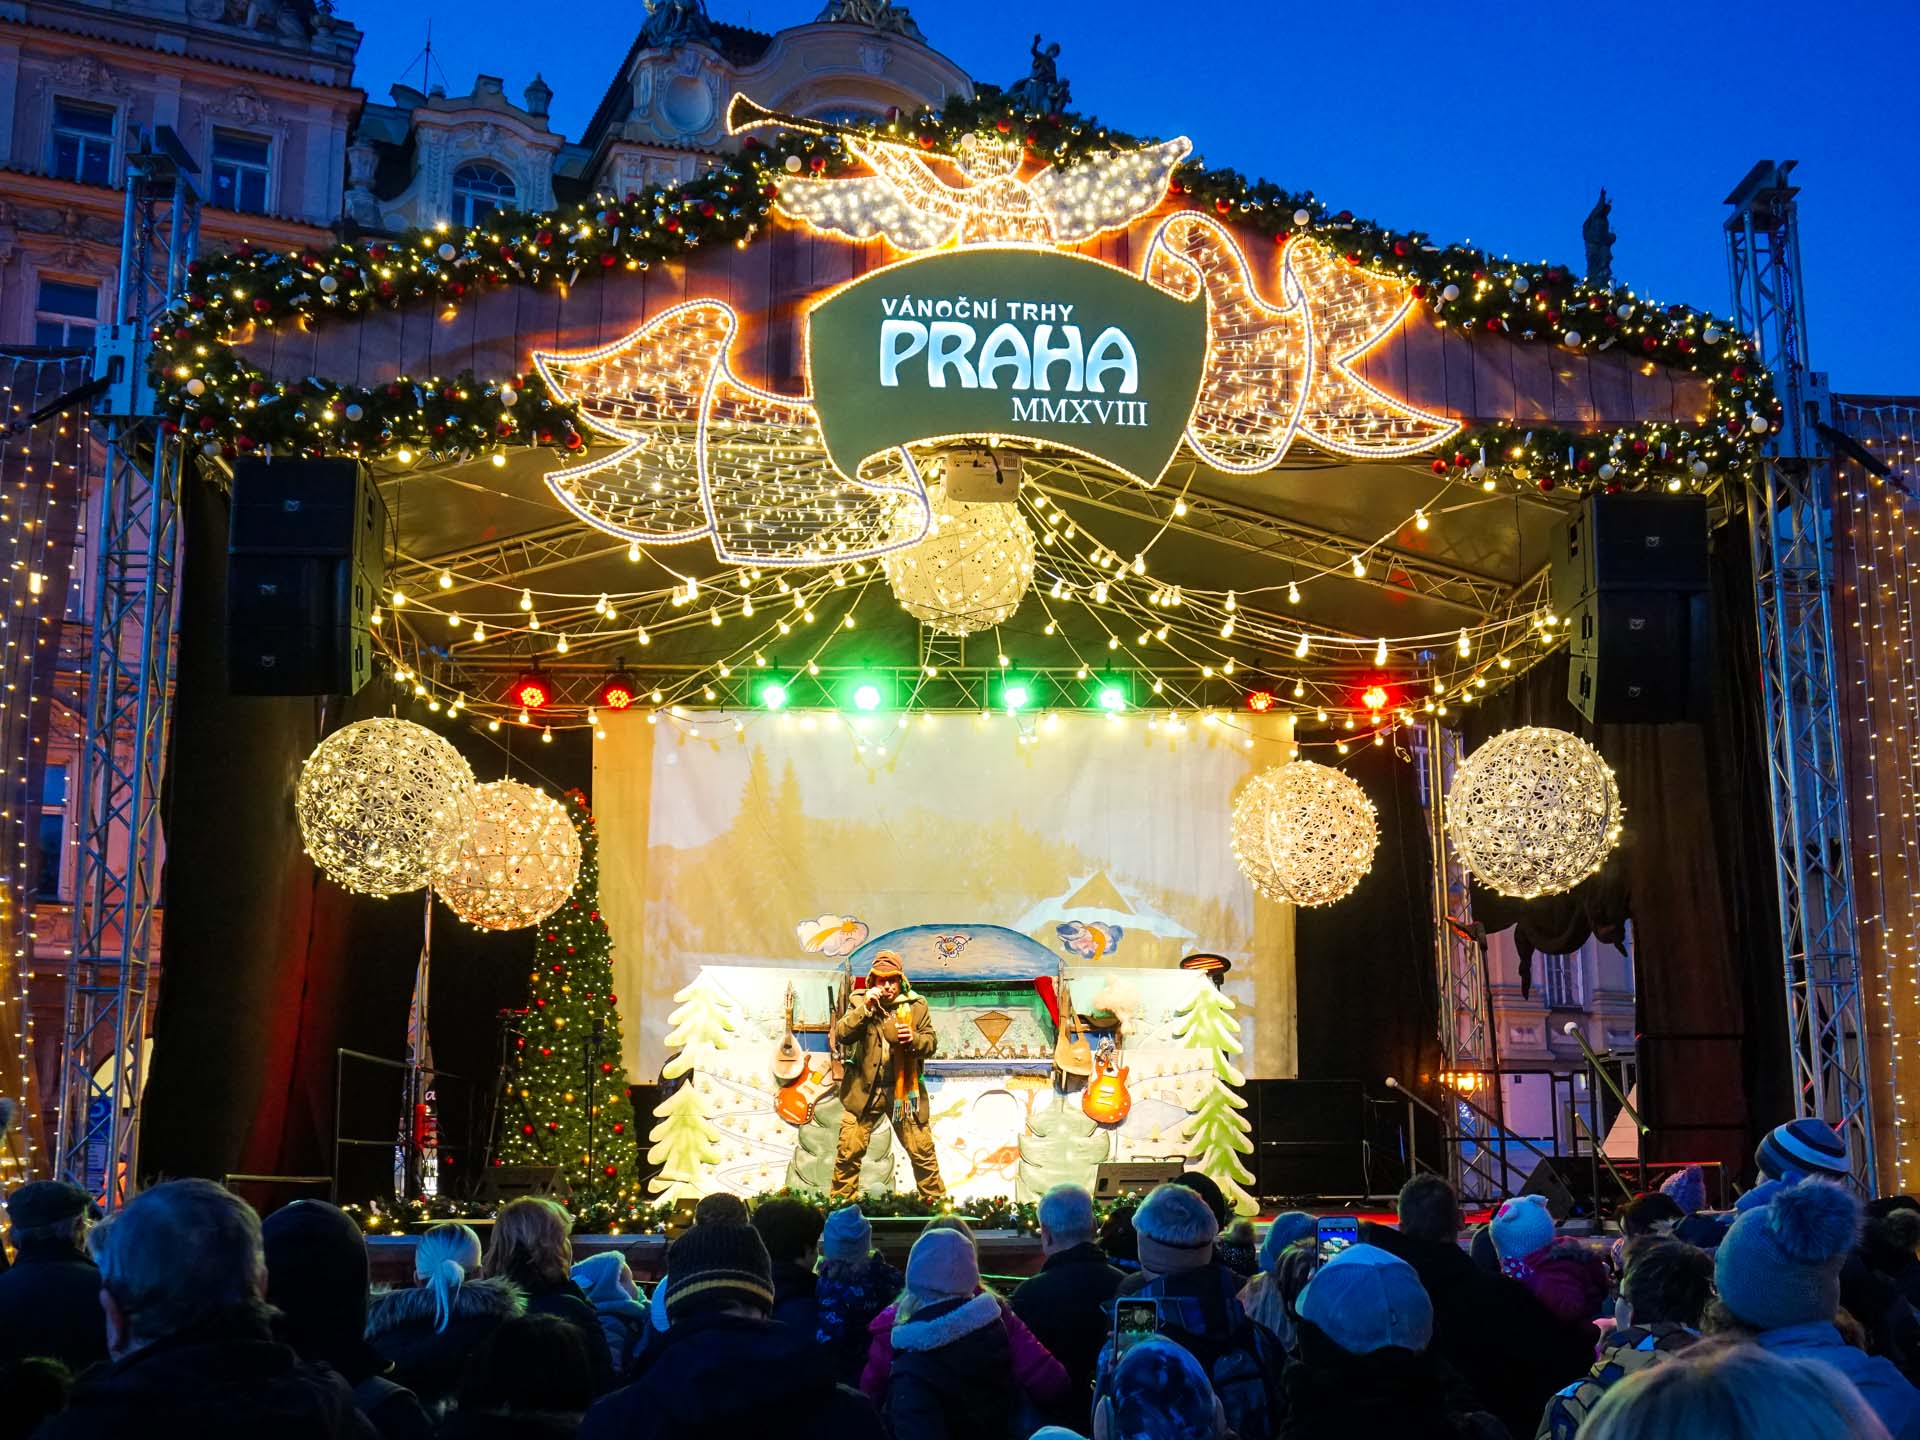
(1419, 292)
(386, 288)
(524, 1130)
(262, 305)
(706, 208)
(1344, 216)
(206, 423)
(394, 391)
(1400, 248)
(672, 222)
(543, 239)
(1639, 447)
(256, 387)
(1439, 467)
(817, 164)
(1223, 206)
(619, 1128)
(1738, 372)
(1649, 344)
(1553, 317)
(245, 442)
(1003, 126)
(1583, 465)
(1493, 322)
(574, 442)
(1546, 482)
(506, 254)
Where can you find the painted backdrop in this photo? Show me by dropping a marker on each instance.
(717, 843)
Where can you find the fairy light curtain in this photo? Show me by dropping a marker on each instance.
(45, 467)
(1877, 547)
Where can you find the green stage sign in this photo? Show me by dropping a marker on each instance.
(984, 341)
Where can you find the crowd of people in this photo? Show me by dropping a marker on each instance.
(186, 1314)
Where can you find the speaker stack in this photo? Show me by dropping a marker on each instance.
(304, 575)
(1630, 583)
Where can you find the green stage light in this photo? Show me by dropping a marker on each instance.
(1015, 695)
(1112, 698)
(866, 696)
(773, 695)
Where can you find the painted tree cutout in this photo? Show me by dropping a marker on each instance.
(1217, 1134)
(685, 1144)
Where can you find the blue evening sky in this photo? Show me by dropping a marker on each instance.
(1490, 122)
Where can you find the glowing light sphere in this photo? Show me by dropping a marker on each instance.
(1533, 812)
(382, 805)
(1304, 833)
(971, 572)
(517, 862)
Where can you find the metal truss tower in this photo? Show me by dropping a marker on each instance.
(1791, 517)
(134, 538)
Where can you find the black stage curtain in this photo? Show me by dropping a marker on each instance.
(1365, 978)
(1694, 872)
(267, 970)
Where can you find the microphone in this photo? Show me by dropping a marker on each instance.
(1392, 1084)
(1572, 1027)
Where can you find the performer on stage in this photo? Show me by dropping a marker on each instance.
(885, 1037)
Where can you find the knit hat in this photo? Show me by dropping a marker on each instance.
(941, 1265)
(885, 964)
(1175, 1230)
(728, 1261)
(1688, 1187)
(848, 1236)
(1292, 1226)
(1521, 1226)
(317, 1278)
(1802, 1147)
(1780, 1263)
(1366, 1299)
(598, 1276)
(722, 1207)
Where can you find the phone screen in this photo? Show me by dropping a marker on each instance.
(1336, 1233)
(1134, 1321)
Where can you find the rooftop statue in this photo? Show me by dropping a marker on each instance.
(1599, 242)
(1042, 91)
(671, 24)
(882, 15)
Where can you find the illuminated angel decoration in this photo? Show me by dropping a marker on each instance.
(703, 454)
(915, 202)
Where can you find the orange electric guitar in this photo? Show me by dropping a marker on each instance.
(804, 1088)
(1107, 1101)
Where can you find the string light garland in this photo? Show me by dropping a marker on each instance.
(516, 861)
(1304, 833)
(208, 390)
(1533, 812)
(970, 572)
(383, 805)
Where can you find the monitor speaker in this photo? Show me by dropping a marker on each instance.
(1115, 1178)
(304, 576)
(1545, 1180)
(514, 1182)
(1630, 542)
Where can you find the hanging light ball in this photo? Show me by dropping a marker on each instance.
(1304, 833)
(1533, 812)
(517, 862)
(973, 569)
(382, 805)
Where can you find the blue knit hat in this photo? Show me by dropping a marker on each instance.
(1780, 1263)
(1365, 1299)
(1521, 1226)
(1287, 1228)
(1802, 1147)
(848, 1236)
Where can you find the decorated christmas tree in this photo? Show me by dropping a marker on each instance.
(684, 1141)
(567, 1090)
(1217, 1132)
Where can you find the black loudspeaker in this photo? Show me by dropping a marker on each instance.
(1310, 1140)
(304, 576)
(1545, 1180)
(1630, 583)
(513, 1182)
(1114, 1178)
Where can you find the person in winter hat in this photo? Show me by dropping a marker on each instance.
(852, 1285)
(952, 1366)
(1688, 1188)
(1261, 1297)
(610, 1288)
(1041, 1378)
(1778, 1274)
(724, 1369)
(1363, 1366)
(430, 1331)
(1733, 1391)
(1567, 1277)
(791, 1229)
(1199, 1305)
(317, 1279)
(50, 1297)
(1662, 1296)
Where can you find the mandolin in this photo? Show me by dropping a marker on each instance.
(1107, 1101)
(789, 1060)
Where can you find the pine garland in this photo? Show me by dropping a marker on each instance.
(209, 391)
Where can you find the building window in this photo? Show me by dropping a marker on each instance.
(50, 834)
(479, 190)
(240, 171)
(82, 143)
(1562, 984)
(66, 313)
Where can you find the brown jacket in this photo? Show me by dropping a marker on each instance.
(866, 1086)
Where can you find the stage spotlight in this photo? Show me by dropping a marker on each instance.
(1374, 698)
(1112, 698)
(1015, 695)
(773, 695)
(1260, 701)
(866, 696)
(617, 692)
(532, 691)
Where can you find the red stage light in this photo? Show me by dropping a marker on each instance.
(532, 691)
(1260, 701)
(1375, 699)
(617, 692)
